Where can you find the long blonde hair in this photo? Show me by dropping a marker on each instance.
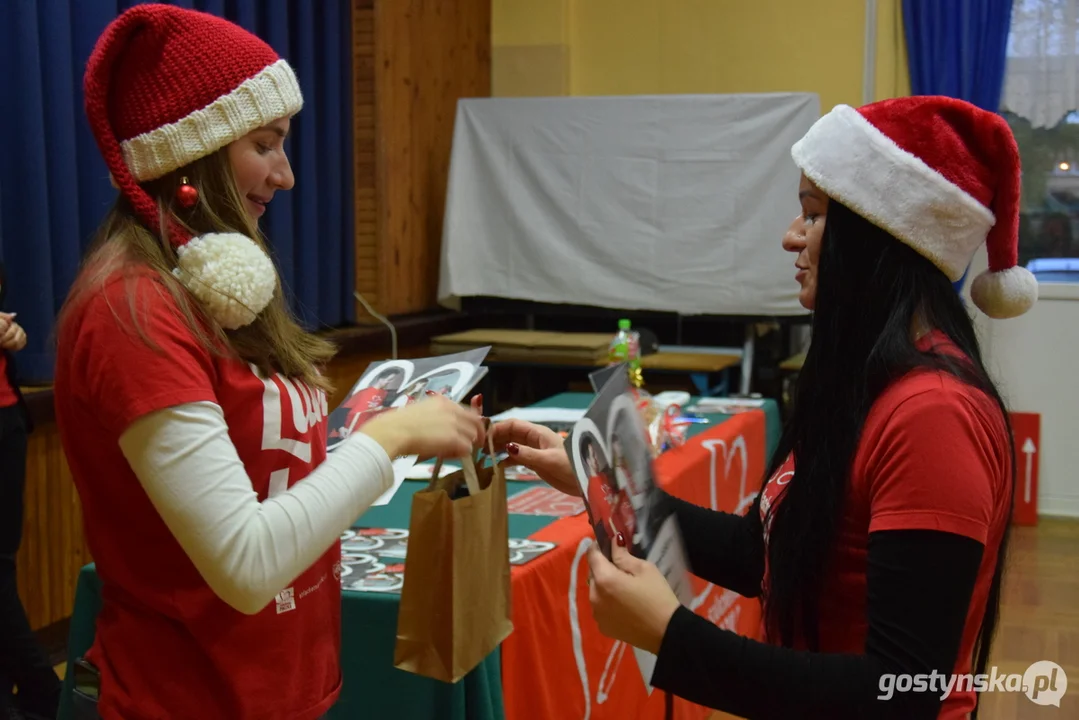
(274, 342)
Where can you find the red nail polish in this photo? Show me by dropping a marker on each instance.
(621, 540)
(512, 448)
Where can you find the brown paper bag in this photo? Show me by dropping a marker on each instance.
(455, 602)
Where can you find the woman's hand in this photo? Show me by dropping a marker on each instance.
(431, 427)
(12, 336)
(539, 449)
(631, 600)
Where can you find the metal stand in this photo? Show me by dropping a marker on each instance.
(747, 359)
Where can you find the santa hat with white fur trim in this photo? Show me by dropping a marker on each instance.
(166, 86)
(939, 174)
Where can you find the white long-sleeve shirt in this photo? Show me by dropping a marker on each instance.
(247, 550)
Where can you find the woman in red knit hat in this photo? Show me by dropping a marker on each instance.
(192, 406)
(877, 545)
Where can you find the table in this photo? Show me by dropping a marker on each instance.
(671, 361)
(587, 351)
(531, 672)
(556, 663)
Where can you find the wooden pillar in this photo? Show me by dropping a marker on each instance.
(412, 61)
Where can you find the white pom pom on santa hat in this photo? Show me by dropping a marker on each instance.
(1005, 294)
(229, 274)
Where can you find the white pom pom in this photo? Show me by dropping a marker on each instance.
(229, 274)
(1005, 294)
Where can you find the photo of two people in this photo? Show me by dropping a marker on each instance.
(391, 384)
(611, 455)
(612, 458)
(368, 402)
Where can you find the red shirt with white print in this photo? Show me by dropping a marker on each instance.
(166, 644)
(599, 502)
(933, 456)
(622, 515)
(7, 391)
(363, 405)
(368, 398)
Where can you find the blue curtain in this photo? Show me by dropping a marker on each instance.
(958, 48)
(54, 187)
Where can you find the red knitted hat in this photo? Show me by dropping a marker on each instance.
(166, 86)
(939, 174)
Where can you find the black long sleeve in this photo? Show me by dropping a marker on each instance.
(919, 585)
(722, 548)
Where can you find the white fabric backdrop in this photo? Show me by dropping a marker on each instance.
(669, 203)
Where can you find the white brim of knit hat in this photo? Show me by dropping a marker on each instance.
(270, 95)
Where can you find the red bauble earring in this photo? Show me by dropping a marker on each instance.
(186, 194)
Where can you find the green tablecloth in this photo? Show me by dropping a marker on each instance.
(372, 686)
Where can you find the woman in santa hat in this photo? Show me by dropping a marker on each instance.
(878, 545)
(192, 406)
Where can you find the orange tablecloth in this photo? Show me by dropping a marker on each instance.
(556, 664)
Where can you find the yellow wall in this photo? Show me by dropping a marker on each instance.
(530, 47)
(632, 47)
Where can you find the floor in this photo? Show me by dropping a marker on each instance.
(1039, 618)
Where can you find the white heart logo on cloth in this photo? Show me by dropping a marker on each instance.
(614, 657)
(737, 449)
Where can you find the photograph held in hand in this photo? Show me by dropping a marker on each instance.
(610, 454)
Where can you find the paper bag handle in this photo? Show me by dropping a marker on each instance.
(468, 465)
(471, 478)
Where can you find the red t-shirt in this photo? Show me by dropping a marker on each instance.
(612, 510)
(362, 406)
(166, 645)
(933, 456)
(598, 501)
(623, 517)
(368, 398)
(7, 392)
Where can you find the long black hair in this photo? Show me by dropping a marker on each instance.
(870, 286)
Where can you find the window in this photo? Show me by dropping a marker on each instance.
(1049, 214)
(1040, 102)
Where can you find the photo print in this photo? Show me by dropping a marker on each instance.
(374, 394)
(631, 460)
(383, 542)
(604, 478)
(373, 559)
(380, 579)
(451, 380)
(611, 456)
(523, 551)
(608, 511)
(391, 384)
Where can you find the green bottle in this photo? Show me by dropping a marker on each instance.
(626, 346)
